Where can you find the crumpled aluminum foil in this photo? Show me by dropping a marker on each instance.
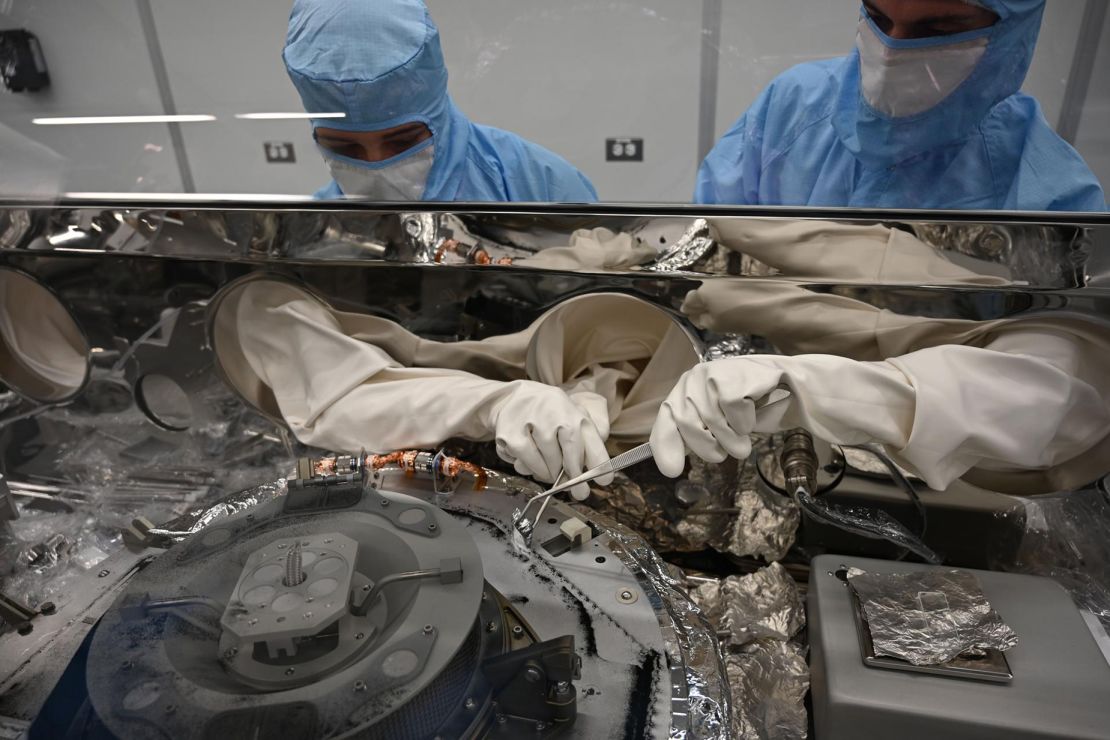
(707, 488)
(626, 501)
(769, 680)
(929, 617)
(764, 525)
(735, 514)
(761, 605)
(730, 345)
(692, 646)
(194, 521)
(692, 246)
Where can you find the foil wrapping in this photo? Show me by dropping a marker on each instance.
(194, 521)
(730, 345)
(692, 246)
(708, 492)
(639, 507)
(929, 617)
(692, 647)
(761, 605)
(769, 680)
(764, 526)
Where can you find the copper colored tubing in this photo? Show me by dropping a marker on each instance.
(377, 462)
(449, 467)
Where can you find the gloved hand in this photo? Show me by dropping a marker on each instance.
(716, 405)
(940, 411)
(541, 431)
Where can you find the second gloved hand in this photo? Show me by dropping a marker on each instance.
(542, 430)
(716, 405)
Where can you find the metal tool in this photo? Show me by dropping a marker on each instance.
(620, 462)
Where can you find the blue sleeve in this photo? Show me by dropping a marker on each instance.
(574, 187)
(730, 173)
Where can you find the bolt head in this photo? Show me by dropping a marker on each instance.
(432, 527)
(290, 671)
(469, 704)
(25, 628)
(47, 607)
(103, 573)
(518, 630)
(359, 636)
(428, 629)
(533, 674)
(360, 686)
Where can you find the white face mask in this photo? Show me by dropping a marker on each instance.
(402, 180)
(905, 82)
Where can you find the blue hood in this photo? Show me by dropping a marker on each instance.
(873, 136)
(380, 63)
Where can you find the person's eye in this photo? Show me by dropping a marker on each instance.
(880, 20)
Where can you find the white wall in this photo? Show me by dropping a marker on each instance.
(566, 74)
(99, 65)
(1093, 137)
(224, 58)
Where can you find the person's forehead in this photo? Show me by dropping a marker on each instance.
(928, 8)
(404, 129)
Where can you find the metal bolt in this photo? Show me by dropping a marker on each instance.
(290, 671)
(359, 636)
(366, 587)
(428, 629)
(25, 628)
(469, 703)
(517, 630)
(627, 596)
(384, 502)
(491, 627)
(533, 674)
(360, 686)
(47, 607)
(103, 573)
(562, 687)
(432, 527)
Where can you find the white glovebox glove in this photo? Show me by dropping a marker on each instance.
(340, 393)
(941, 411)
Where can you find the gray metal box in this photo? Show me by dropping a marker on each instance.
(1060, 688)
